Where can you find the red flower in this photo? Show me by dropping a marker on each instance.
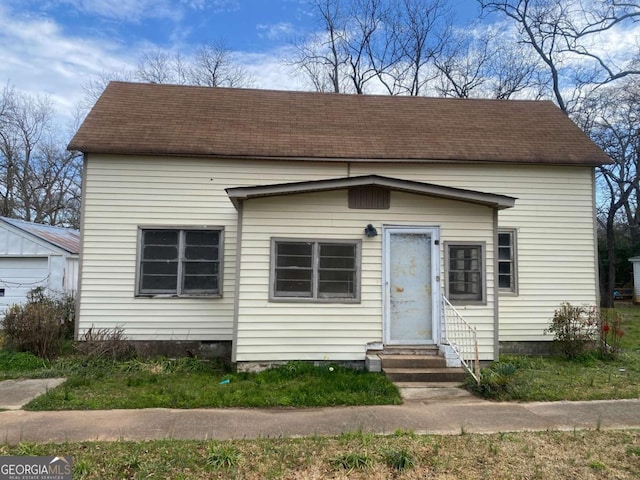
(605, 328)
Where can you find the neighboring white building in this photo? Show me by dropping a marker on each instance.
(636, 278)
(34, 255)
(307, 226)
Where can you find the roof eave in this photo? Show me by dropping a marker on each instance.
(591, 162)
(500, 202)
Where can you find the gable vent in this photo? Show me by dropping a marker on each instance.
(369, 197)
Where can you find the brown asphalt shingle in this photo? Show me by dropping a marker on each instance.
(134, 118)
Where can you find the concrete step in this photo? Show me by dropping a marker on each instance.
(433, 385)
(426, 375)
(412, 361)
(408, 350)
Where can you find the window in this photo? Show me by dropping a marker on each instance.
(180, 262)
(465, 281)
(315, 270)
(507, 271)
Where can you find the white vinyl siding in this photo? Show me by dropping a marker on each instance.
(553, 216)
(340, 331)
(124, 192)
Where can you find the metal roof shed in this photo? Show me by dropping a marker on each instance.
(34, 255)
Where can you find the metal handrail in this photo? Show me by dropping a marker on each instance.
(462, 338)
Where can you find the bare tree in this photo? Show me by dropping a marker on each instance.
(484, 62)
(421, 30)
(95, 86)
(612, 119)
(564, 35)
(161, 67)
(320, 57)
(567, 38)
(360, 25)
(213, 66)
(39, 181)
(393, 42)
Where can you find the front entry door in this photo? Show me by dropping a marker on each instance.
(412, 285)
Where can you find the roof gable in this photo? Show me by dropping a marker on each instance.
(499, 202)
(66, 239)
(149, 119)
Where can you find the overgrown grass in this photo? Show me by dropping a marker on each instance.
(191, 383)
(587, 377)
(544, 455)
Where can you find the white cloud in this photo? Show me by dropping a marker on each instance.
(128, 11)
(276, 31)
(269, 71)
(40, 59)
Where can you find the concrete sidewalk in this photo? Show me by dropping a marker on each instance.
(431, 416)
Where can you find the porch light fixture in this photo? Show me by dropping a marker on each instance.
(370, 231)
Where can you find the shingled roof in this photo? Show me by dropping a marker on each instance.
(150, 119)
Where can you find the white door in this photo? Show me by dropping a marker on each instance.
(19, 275)
(412, 267)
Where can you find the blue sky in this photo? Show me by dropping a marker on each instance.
(55, 47)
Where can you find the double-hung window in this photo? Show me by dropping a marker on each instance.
(315, 270)
(465, 272)
(507, 267)
(180, 262)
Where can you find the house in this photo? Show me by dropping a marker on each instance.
(309, 226)
(34, 255)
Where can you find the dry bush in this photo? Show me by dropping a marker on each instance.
(106, 343)
(41, 325)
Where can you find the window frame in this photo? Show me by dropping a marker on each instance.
(181, 260)
(513, 289)
(459, 300)
(315, 262)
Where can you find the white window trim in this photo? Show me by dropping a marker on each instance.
(315, 298)
(181, 230)
(483, 271)
(514, 290)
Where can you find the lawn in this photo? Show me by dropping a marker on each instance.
(192, 383)
(544, 455)
(588, 377)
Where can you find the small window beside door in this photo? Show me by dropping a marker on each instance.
(465, 272)
(507, 265)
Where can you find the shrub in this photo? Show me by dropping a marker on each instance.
(41, 325)
(105, 343)
(20, 361)
(495, 380)
(575, 329)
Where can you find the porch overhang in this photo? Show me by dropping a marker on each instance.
(499, 202)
